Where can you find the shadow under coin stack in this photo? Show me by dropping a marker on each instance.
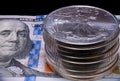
(81, 42)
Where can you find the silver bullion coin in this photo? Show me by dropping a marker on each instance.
(96, 58)
(80, 67)
(92, 48)
(88, 32)
(62, 71)
(85, 66)
(80, 53)
(90, 72)
(92, 59)
(89, 76)
(86, 73)
(47, 38)
(81, 25)
(84, 61)
(83, 53)
(114, 49)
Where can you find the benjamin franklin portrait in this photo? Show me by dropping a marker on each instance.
(15, 43)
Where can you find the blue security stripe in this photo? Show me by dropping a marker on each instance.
(40, 17)
(33, 58)
(34, 54)
(35, 51)
(38, 29)
(30, 78)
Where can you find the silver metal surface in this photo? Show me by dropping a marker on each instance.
(106, 45)
(92, 59)
(81, 42)
(63, 64)
(81, 25)
(66, 74)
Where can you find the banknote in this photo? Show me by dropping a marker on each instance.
(22, 55)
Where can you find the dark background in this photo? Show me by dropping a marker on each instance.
(44, 7)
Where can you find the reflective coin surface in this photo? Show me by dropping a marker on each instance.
(81, 25)
(81, 42)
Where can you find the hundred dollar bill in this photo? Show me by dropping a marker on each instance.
(21, 48)
(22, 55)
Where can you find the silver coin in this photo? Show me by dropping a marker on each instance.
(84, 53)
(86, 66)
(90, 72)
(47, 38)
(92, 56)
(76, 52)
(62, 72)
(96, 58)
(86, 61)
(93, 47)
(83, 69)
(81, 25)
(80, 66)
(81, 42)
(85, 73)
(79, 58)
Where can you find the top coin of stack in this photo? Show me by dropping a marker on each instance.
(81, 42)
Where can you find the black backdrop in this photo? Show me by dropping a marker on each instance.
(43, 7)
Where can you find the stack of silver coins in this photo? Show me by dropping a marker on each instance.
(81, 42)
